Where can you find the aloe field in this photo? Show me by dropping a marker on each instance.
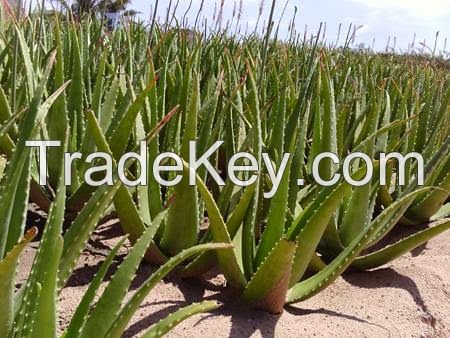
(156, 88)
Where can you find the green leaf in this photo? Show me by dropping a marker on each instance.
(8, 267)
(80, 230)
(130, 218)
(268, 287)
(103, 316)
(30, 75)
(167, 324)
(207, 260)
(391, 252)
(251, 221)
(130, 308)
(386, 220)
(227, 259)
(76, 92)
(121, 133)
(14, 186)
(182, 226)
(38, 312)
(109, 105)
(311, 224)
(81, 313)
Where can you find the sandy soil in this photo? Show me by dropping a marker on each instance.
(410, 297)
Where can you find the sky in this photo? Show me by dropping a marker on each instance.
(376, 19)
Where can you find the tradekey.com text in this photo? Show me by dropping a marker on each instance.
(168, 168)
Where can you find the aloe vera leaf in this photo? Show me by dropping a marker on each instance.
(328, 137)
(318, 216)
(405, 219)
(317, 128)
(277, 212)
(370, 125)
(229, 134)
(45, 318)
(234, 222)
(227, 259)
(172, 135)
(298, 161)
(268, 286)
(30, 74)
(251, 219)
(442, 109)
(107, 109)
(163, 84)
(394, 251)
(310, 225)
(8, 266)
(6, 126)
(6, 144)
(48, 103)
(226, 193)
(383, 130)
(17, 172)
(207, 260)
(276, 222)
(150, 118)
(142, 191)
(276, 218)
(82, 311)
(382, 140)
(388, 218)
(121, 133)
(130, 218)
(432, 202)
(130, 308)
(305, 92)
(76, 92)
(57, 116)
(303, 102)
(5, 109)
(199, 266)
(444, 212)
(331, 241)
(99, 84)
(439, 157)
(421, 134)
(79, 232)
(103, 315)
(427, 205)
(209, 111)
(17, 219)
(355, 215)
(167, 324)
(152, 114)
(88, 144)
(276, 144)
(182, 226)
(351, 134)
(85, 191)
(37, 317)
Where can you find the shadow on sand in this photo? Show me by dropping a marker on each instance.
(245, 321)
(389, 278)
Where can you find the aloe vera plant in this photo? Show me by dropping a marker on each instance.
(109, 91)
(32, 310)
(35, 303)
